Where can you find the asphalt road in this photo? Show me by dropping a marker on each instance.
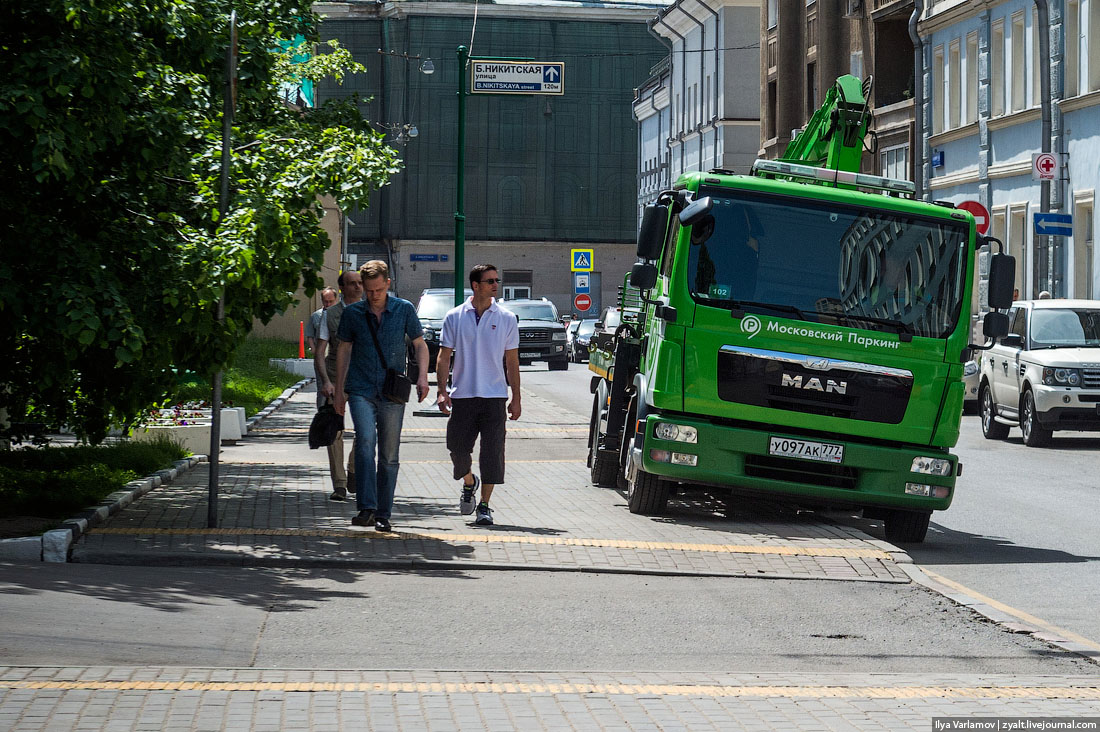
(1022, 529)
(78, 614)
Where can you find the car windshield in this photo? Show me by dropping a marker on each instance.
(435, 305)
(611, 319)
(829, 263)
(587, 327)
(1065, 327)
(531, 311)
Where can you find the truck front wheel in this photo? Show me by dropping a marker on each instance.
(602, 463)
(647, 494)
(907, 527)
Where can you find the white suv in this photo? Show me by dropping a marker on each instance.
(1045, 374)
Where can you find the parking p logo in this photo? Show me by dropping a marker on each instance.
(750, 325)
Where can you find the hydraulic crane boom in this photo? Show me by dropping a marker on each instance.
(833, 138)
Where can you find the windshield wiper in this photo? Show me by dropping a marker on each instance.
(903, 328)
(737, 308)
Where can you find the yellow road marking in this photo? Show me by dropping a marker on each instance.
(1084, 693)
(1025, 617)
(786, 550)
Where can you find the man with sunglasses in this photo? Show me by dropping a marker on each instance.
(484, 339)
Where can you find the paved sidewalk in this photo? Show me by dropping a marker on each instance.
(274, 510)
(220, 699)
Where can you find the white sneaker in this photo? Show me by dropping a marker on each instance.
(467, 503)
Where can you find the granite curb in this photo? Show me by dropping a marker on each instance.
(55, 545)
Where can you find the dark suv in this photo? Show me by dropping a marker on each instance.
(431, 309)
(541, 336)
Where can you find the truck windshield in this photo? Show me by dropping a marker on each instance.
(1065, 327)
(829, 263)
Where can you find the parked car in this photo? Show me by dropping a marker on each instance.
(431, 309)
(1045, 374)
(541, 336)
(971, 379)
(578, 347)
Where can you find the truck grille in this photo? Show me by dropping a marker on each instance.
(811, 385)
(1090, 378)
(802, 472)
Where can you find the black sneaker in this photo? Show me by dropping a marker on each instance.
(381, 524)
(339, 493)
(363, 518)
(484, 515)
(466, 504)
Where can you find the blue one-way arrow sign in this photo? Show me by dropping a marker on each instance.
(1053, 224)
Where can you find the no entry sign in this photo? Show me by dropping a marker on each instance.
(980, 214)
(582, 302)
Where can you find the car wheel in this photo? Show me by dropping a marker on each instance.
(1035, 435)
(991, 428)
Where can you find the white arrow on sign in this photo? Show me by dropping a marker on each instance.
(551, 73)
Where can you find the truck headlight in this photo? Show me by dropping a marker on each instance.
(558, 335)
(970, 368)
(931, 466)
(676, 432)
(1061, 377)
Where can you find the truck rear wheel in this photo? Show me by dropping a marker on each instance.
(601, 463)
(906, 527)
(647, 494)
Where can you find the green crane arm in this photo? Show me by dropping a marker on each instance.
(833, 138)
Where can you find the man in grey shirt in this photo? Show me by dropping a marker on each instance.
(324, 361)
(313, 327)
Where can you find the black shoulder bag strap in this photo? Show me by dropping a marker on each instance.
(374, 337)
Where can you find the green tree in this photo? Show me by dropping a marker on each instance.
(112, 254)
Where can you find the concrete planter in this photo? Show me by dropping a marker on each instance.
(300, 366)
(193, 437)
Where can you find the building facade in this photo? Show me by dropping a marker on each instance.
(983, 69)
(698, 110)
(807, 44)
(543, 174)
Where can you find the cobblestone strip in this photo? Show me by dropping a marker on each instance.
(203, 699)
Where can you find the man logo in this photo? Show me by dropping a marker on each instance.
(820, 364)
(814, 384)
(750, 325)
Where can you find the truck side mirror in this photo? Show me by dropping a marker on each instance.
(652, 231)
(696, 211)
(643, 276)
(995, 325)
(1002, 275)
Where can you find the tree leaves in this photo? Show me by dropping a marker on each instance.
(114, 254)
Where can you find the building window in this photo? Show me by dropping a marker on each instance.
(1083, 235)
(1036, 61)
(894, 162)
(972, 78)
(1073, 47)
(1093, 41)
(954, 85)
(441, 278)
(516, 283)
(1019, 65)
(811, 89)
(811, 33)
(855, 64)
(769, 121)
(937, 90)
(997, 69)
(773, 13)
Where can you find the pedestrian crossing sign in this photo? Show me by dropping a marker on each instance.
(582, 260)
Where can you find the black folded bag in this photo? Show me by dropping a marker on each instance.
(326, 425)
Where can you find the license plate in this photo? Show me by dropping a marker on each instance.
(824, 452)
(529, 354)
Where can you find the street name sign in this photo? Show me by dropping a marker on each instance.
(1053, 224)
(517, 77)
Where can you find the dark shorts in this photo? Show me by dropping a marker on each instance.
(470, 418)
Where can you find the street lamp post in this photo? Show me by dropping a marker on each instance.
(460, 190)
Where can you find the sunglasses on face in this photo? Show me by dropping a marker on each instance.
(491, 281)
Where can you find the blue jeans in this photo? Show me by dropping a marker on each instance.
(377, 426)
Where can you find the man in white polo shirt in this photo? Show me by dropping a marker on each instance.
(484, 339)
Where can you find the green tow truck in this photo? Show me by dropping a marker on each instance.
(796, 334)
